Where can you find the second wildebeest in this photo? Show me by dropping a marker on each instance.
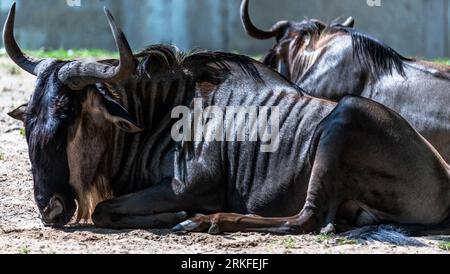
(355, 161)
(332, 61)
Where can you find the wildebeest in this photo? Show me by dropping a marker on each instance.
(355, 161)
(332, 61)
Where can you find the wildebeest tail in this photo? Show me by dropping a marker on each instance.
(401, 235)
(384, 234)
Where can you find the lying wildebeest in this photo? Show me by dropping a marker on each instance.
(332, 61)
(355, 161)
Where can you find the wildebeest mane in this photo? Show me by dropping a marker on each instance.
(374, 54)
(164, 58)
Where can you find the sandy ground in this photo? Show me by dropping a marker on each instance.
(22, 232)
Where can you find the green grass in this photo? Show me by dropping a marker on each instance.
(332, 239)
(24, 251)
(70, 54)
(2, 156)
(344, 241)
(443, 61)
(324, 238)
(22, 132)
(444, 245)
(288, 243)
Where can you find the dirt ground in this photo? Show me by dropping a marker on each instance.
(22, 232)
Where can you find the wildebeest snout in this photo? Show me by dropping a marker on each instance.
(55, 214)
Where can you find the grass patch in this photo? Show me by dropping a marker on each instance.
(444, 245)
(333, 240)
(256, 57)
(2, 156)
(70, 54)
(443, 61)
(344, 241)
(22, 132)
(288, 243)
(324, 238)
(24, 250)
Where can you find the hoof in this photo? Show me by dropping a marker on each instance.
(329, 229)
(186, 226)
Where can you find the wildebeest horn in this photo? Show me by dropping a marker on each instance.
(253, 31)
(78, 74)
(25, 62)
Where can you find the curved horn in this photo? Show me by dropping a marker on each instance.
(25, 62)
(253, 31)
(78, 75)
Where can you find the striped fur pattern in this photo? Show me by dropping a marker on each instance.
(165, 78)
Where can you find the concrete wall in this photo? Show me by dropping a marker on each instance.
(413, 27)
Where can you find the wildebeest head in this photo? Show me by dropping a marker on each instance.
(65, 119)
(291, 38)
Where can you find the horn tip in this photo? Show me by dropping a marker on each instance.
(108, 13)
(110, 17)
(12, 10)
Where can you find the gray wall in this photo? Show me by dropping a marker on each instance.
(413, 27)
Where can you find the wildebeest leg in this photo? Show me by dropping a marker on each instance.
(145, 209)
(229, 222)
(149, 207)
(164, 220)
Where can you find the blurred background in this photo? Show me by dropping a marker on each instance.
(413, 27)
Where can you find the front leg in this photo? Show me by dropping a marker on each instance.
(303, 223)
(159, 206)
(158, 221)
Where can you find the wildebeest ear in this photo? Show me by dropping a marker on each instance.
(19, 113)
(118, 115)
(350, 22)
